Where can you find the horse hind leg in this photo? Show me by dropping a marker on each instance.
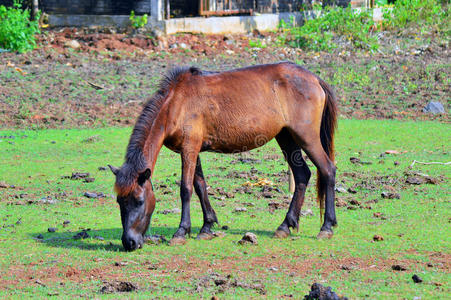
(200, 186)
(301, 174)
(311, 144)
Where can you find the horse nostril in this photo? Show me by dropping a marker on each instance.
(132, 244)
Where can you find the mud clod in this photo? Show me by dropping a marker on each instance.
(248, 238)
(398, 268)
(81, 235)
(321, 292)
(118, 286)
(378, 238)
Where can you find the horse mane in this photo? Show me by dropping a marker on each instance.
(135, 162)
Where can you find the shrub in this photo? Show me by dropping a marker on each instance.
(17, 31)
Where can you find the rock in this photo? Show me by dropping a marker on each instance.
(51, 229)
(320, 292)
(66, 222)
(416, 278)
(72, 44)
(40, 237)
(248, 238)
(100, 238)
(434, 108)
(225, 227)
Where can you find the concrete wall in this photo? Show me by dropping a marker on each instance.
(235, 24)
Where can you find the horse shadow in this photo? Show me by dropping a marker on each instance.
(110, 239)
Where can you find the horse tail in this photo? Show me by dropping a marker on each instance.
(328, 126)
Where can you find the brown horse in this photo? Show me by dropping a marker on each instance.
(228, 112)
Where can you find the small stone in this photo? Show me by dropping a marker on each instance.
(340, 189)
(416, 278)
(225, 227)
(248, 238)
(51, 229)
(40, 236)
(72, 44)
(240, 209)
(434, 108)
(93, 195)
(307, 212)
(100, 238)
(171, 211)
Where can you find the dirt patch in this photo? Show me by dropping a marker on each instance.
(110, 75)
(188, 268)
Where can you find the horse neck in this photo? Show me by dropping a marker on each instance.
(146, 142)
(153, 144)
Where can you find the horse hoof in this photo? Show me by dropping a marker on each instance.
(281, 234)
(324, 235)
(205, 236)
(177, 241)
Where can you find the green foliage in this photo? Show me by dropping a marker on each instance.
(416, 12)
(318, 34)
(138, 21)
(17, 31)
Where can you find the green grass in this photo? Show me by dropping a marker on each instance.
(416, 230)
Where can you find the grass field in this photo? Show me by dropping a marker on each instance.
(415, 228)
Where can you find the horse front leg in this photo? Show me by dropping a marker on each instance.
(200, 186)
(186, 190)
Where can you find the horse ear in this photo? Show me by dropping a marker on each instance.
(144, 176)
(114, 169)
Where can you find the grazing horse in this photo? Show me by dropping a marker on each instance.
(229, 112)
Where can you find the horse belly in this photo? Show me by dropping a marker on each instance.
(240, 135)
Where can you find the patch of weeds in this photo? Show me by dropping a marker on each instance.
(257, 44)
(422, 13)
(318, 34)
